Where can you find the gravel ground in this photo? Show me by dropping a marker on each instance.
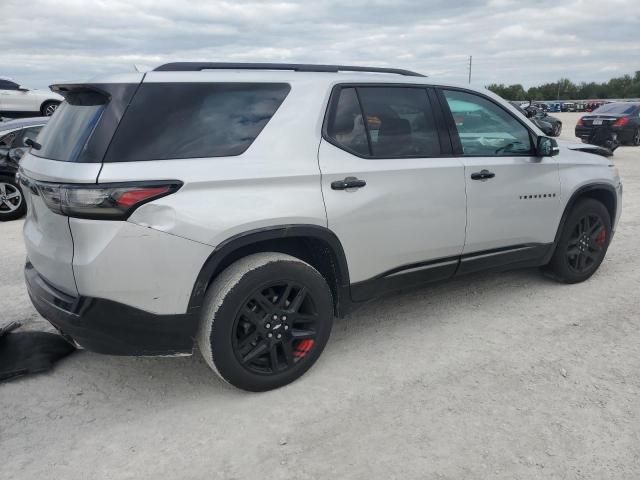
(504, 376)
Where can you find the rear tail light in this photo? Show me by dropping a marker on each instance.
(579, 122)
(102, 202)
(621, 122)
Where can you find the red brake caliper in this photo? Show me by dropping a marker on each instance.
(303, 347)
(601, 238)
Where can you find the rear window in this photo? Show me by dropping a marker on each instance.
(66, 134)
(194, 120)
(616, 108)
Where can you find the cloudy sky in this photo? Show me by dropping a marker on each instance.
(512, 41)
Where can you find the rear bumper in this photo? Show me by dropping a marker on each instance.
(624, 134)
(109, 327)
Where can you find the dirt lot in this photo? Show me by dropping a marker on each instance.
(506, 376)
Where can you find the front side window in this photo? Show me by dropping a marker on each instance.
(384, 122)
(485, 129)
(194, 120)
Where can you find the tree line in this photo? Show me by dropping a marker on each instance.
(626, 86)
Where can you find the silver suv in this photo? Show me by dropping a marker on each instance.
(239, 207)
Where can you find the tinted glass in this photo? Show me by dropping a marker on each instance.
(8, 85)
(485, 128)
(400, 121)
(346, 123)
(193, 120)
(616, 108)
(66, 134)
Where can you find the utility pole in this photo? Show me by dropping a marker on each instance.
(470, 59)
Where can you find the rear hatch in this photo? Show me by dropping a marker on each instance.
(69, 151)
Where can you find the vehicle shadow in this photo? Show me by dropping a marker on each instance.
(136, 383)
(189, 375)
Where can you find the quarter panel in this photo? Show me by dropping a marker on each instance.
(275, 181)
(136, 266)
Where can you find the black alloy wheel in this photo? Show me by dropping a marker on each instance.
(586, 246)
(275, 328)
(265, 321)
(583, 242)
(636, 137)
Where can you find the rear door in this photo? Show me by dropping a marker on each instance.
(513, 196)
(394, 195)
(72, 147)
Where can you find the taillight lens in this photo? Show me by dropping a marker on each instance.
(102, 202)
(579, 122)
(621, 122)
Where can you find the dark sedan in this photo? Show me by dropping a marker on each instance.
(622, 118)
(550, 125)
(12, 136)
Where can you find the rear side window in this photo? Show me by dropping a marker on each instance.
(194, 120)
(65, 135)
(399, 121)
(616, 108)
(346, 123)
(384, 122)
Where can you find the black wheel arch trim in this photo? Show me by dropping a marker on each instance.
(216, 261)
(575, 196)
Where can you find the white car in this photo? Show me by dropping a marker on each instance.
(16, 100)
(238, 208)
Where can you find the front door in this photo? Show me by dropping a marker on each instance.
(513, 195)
(394, 200)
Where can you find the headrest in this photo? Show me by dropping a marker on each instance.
(394, 126)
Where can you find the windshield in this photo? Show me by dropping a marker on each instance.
(66, 134)
(616, 108)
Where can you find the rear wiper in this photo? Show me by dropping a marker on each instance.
(32, 143)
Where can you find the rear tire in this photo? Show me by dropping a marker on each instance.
(12, 204)
(49, 108)
(635, 138)
(558, 130)
(265, 321)
(583, 242)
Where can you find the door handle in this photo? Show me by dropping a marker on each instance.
(482, 175)
(349, 182)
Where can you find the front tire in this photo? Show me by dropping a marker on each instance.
(265, 321)
(12, 204)
(583, 242)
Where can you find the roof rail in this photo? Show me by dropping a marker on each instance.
(296, 67)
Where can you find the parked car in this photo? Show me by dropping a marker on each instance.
(568, 107)
(239, 207)
(622, 117)
(554, 107)
(19, 101)
(549, 124)
(12, 137)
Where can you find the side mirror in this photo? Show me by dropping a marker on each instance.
(15, 154)
(547, 147)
